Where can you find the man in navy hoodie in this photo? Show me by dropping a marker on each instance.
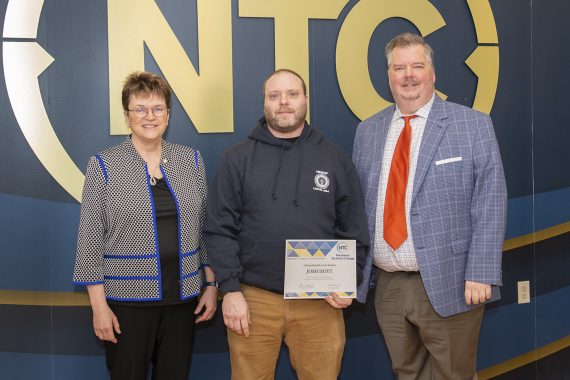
(286, 181)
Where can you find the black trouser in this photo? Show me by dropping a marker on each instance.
(161, 335)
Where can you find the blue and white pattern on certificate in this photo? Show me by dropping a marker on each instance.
(306, 248)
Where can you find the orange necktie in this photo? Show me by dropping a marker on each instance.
(395, 231)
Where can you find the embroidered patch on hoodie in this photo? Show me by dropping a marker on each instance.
(322, 181)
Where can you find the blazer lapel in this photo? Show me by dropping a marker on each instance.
(433, 133)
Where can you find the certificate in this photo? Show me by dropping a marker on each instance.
(314, 268)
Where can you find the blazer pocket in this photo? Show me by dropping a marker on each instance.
(460, 245)
(448, 161)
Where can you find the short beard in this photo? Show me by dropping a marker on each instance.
(297, 123)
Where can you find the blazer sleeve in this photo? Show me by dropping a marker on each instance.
(90, 240)
(488, 208)
(223, 224)
(357, 159)
(351, 219)
(357, 146)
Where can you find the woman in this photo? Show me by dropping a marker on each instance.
(140, 250)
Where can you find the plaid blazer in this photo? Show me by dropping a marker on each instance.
(459, 201)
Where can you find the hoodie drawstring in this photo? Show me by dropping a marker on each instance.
(273, 195)
(296, 196)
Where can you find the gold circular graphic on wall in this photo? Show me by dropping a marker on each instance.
(361, 22)
(23, 64)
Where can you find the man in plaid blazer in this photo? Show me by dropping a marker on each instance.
(431, 286)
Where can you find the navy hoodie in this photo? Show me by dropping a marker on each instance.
(268, 190)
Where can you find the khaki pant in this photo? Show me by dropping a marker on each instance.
(312, 329)
(423, 345)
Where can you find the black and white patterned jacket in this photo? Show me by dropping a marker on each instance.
(117, 243)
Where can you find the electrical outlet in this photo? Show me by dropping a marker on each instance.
(524, 291)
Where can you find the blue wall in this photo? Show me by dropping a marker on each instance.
(38, 218)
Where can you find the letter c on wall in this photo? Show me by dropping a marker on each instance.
(353, 41)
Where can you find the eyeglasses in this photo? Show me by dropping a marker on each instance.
(141, 111)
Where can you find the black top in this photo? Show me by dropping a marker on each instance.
(167, 229)
(290, 139)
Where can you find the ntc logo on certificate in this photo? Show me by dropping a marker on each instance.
(315, 268)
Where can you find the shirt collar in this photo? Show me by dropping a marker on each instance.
(422, 112)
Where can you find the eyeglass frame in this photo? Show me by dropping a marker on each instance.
(151, 109)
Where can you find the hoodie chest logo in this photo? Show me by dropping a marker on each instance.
(322, 181)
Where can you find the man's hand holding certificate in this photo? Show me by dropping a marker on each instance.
(317, 268)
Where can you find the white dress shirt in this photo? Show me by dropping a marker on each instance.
(403, 258)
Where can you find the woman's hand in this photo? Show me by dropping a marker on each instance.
(105, 323)
(208, 302)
